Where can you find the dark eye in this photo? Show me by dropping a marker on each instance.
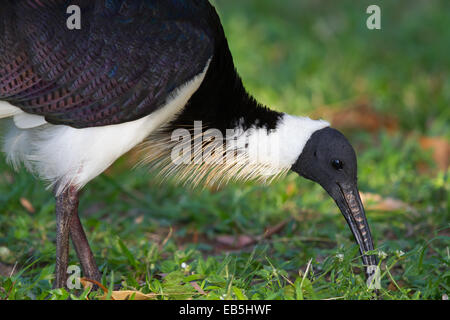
(337, 164)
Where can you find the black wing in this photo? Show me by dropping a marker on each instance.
(124, 62)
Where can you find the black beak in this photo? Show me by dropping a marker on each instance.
(349, 202)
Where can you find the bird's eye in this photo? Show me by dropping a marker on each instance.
(337, 164)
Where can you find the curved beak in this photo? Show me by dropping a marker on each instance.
(349, 202)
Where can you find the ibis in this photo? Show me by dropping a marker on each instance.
(159, 76)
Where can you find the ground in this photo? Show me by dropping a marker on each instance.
(388, 90)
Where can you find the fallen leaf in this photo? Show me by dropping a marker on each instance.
(275, 229)
(441, 150)
(358, 116)
(291, 189)
(197, 287)
(241, 241)
(376, 202)
(89, 283)
(129, 294)
(235, 241)
(117, 295)
(27, 205)
(393, 287)
(139, 219)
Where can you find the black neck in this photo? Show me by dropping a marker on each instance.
(222, 102)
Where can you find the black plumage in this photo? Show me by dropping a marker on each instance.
(122, 65)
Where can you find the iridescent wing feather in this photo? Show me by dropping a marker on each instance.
(124, 62)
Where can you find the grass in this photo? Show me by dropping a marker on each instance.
(300, 56)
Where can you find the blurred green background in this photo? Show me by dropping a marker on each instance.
(388, 90)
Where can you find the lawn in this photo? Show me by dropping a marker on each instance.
(388, 90)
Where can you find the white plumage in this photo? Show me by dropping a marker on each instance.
(63, 156)
(252, 154)
(7, 110)
(280, 148)
(28, 121)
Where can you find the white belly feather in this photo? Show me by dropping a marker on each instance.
(65, 156)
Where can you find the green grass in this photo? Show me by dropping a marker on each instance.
(297, 56)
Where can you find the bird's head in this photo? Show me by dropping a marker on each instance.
(329, 159)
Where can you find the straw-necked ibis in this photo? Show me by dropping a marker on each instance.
(135, 72)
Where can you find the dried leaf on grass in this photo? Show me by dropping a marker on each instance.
(197, 287)
(358, 116)
(27, 205)
(441, 150)
(117, 295)
(241, 241)
(393, 287)
(376, 202)
(129, 294)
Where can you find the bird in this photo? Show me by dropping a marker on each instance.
(158, 76)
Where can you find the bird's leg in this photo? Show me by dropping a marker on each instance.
(66, 205)
(83, 249)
